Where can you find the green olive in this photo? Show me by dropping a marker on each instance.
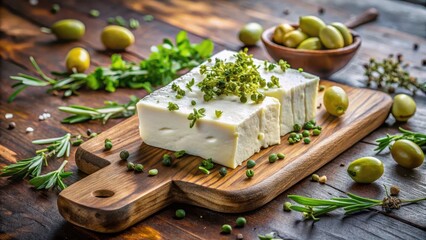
(366, 169)
(117, 38)
(294, 38)
(311, 25)
(280, 31)
(312, 43)
(403, 107)
(68, 29)
(78, 59)
(331, 37)
(346, 34)
(335, 101)
(407, 154)
(250, 34)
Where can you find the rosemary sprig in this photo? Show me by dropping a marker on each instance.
(161, 67)
(52, 179)
(312, 208)
(417, 138)
(110, 110)
(31, 167)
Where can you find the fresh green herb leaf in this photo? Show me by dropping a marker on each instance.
(148, 18)
(173, 106)
(190, 84)
(52, 179)
(207, 164)
(179, 154)
(218, 113)
(416, 137)
(197, 114)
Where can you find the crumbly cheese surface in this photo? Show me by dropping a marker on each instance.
(243, 128)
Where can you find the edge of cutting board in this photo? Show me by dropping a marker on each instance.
(112, 199)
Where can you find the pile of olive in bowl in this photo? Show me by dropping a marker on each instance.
(313, 34)
(318, 48)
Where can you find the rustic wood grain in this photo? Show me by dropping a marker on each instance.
(29, 214)
(106, 207)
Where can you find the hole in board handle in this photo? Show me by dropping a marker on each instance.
(103, 193)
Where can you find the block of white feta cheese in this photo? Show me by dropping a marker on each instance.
(242, 129)
(297, 92)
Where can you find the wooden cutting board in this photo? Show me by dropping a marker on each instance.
(112, 199)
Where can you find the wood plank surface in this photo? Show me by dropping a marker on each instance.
(112, 199)
(29, 214)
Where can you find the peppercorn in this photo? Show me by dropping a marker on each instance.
(12, 125)
(180, 213)
(241, 221)
(138, 167)
(108, 144)
(394, 191)
(124, 155)
(273, 158)
(223, 171)
(321, 10)
(415, 46)
(251, 163)
(249, 173)
(286, 206)
(281, 155)
(226, 228)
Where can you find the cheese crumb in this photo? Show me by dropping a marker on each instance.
(8, 115)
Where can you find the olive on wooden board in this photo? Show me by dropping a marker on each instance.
(366, 169)
(250, 34)
(116, 37)
(311, 25)
(407, 154)
(280, 31)
(403, 107)
(68, 29)
(346, 34)
(335, 100)
(77, 60)
(294, 38)
(312, 43)
(331, 38)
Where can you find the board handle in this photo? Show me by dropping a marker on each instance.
(113, 199)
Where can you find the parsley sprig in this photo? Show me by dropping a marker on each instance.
(109, 111)
(417, 138)
(161, 67)
(31, 167)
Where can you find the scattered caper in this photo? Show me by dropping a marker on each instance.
(273, 158)
(108, 144)
(153, 172)
(316, 132)
(297, 127)
(307, 140)
(241, 221)
(305, 133)
(139, 167)
(124, 155)
(166, 160)
(223, 171)
(226, 228)
(251, 163)
(286, 206)
(130, 166)
(249, 173)
(180, 213)
(281, 155)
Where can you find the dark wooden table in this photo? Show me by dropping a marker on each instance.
(29, 214)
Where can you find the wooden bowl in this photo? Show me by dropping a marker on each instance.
(322, 63)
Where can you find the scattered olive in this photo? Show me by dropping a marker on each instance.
(180, 213)
(68, 29)
(116, 37)
(403, 107)
(241, 221)
(250, 33)
(335, 101)
(366, 169)
(77, 60)
(407, 154)
(311, 25)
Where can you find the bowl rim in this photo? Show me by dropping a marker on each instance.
(267, 40)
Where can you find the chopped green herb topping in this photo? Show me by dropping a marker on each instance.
(240, 78)
(283, 65)
(275, 81)
(180, 92)
(204, 170)
(218, 113)
(207, 164)
(197, 114)
(179, 154)
(148, 18)
(267, 66)
(173, 106)
(190, 84)
(300, 69)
